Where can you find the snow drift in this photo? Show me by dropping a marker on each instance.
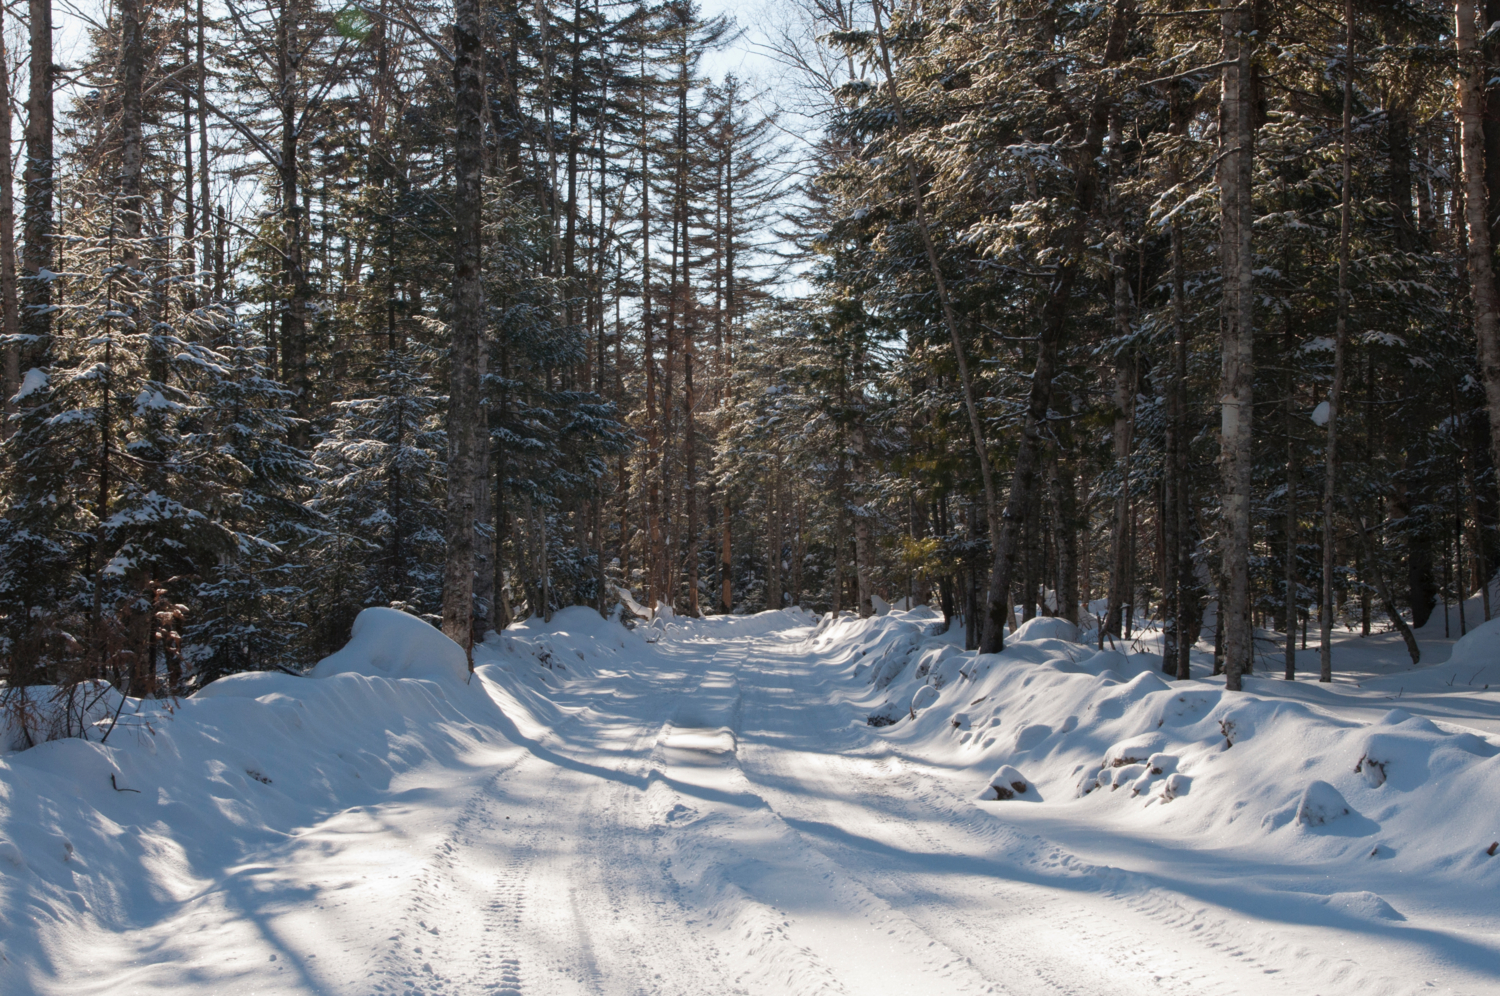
(395, 644)
(1101, 735)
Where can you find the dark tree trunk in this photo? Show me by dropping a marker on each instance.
(465, 436)
(1238, 348)
(37, 255)
(1474, 131)
(1065, 525)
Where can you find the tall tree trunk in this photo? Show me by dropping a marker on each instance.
(1054, 320)
(1065, 525)
(1292, 475)
(293, 333)
(1174, 483)
(774, 537)
(464, 413)
(1125, 389)
(485, 538)
(726, 557)
(37, 178)
(1119, 539)
(1237, 380)
(205, 196)
(1340, 346)
(864, 557)
(652, 538)
(690, 459)
(10, 305)
(1190, 596)
(128, 186)
(1184, 589)
(1482, 289)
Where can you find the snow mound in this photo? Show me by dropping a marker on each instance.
(389, 643)
(925, 696)
(1480, 647)
(1363, 904)
(1321, 804)
(1102, 731)
(38, 713)
(1046, 628)
(1008, 783)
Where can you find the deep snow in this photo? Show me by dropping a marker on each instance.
(706, 807)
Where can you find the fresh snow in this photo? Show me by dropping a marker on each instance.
(780, 804)
(32, 381)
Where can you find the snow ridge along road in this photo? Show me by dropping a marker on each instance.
(693, 808)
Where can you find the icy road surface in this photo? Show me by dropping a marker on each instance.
(706, 819)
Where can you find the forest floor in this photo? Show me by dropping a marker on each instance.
(704, 808)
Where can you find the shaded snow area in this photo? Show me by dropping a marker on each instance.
(774, 804)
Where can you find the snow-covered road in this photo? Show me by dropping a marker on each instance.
(706, 819)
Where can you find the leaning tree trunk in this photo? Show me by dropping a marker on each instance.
(464, 437)
(1482, 288)
(1238, 360)
(945, 302)
(1383, 588)
(1054, 320)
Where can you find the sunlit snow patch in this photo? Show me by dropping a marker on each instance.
(393, 644)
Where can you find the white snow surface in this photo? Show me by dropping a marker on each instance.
(32, 381)
(703, 807)
(394, 644)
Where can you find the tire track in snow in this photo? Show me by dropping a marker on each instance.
(827, 953)
(1053, 946)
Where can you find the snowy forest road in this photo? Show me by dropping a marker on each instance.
(709, 821)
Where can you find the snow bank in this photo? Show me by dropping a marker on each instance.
(1480, 647)
(1101, 736)
(119, 833)
(38, 713)
(575, 642)
(395, 644)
